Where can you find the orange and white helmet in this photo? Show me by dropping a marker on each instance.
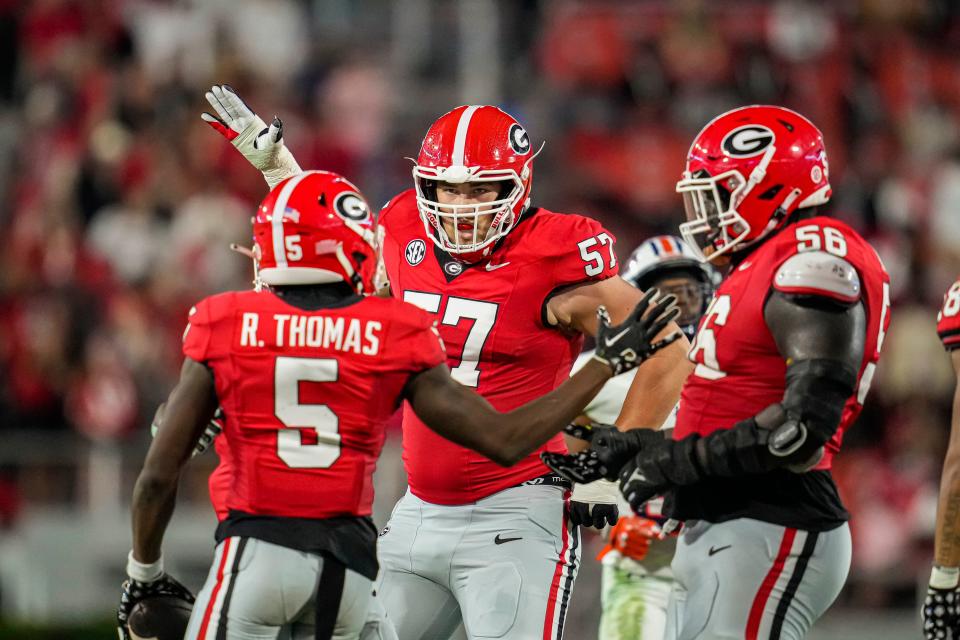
(315, 228)
(475, 143)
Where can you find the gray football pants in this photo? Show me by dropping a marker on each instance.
(261, 591)
(503, 566)
(752, 580)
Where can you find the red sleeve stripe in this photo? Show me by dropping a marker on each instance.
(814, 291)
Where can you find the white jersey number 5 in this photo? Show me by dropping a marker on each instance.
(288, 374)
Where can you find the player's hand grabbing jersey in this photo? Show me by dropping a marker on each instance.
(492, 320)
(306, 395)
(740, 371)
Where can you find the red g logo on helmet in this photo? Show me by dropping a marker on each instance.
(315, 228)
(746, 172)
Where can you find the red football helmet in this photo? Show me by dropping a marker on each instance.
(315, 228)
(474, 144)
(746, 172)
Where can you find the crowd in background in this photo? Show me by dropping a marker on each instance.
(120, 203)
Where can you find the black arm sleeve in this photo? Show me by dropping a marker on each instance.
(822, 342)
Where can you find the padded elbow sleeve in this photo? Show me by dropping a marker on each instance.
(816, 393)
(789, 434)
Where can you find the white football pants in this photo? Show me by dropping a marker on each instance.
(503, 566)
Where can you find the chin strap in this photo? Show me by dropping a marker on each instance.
(353, 277)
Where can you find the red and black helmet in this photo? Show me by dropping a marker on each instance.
(314, 228)
(476, 143)
(746, 172)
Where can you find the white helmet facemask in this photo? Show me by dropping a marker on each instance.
(434, 214)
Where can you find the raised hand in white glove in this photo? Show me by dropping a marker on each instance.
(260, 144)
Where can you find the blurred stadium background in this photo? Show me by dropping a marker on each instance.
(119, 205)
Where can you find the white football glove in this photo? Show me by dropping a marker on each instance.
(261, 145)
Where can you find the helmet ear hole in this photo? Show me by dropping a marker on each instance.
(322, 199)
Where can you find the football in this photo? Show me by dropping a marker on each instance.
(159, 618)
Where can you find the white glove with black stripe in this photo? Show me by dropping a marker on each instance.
(260, 144)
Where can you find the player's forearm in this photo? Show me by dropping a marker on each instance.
(154, 497)
(467, 419)
(947, 541)
(523, 430)
(947, 537)
(656, 387)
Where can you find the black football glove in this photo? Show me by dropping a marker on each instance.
(660, 464)
(629, 343)
(609, 450)
(593, 514)
(940, 614)
(133, 591)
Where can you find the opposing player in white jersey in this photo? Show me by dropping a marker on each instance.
(636, 560)
(515, 288)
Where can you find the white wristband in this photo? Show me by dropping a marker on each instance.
(596, 492)
(944, 577)
(144, 572)
(286, 166)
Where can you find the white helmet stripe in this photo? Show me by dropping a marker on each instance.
(276, 218)
(460, 140)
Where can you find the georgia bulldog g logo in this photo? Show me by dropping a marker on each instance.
(351, 206)
(518, 139)
(746, 141)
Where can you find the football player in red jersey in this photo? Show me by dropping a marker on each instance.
(784, 358)
(307, 373)
(941, 608)
(514, 287)
(637, 579)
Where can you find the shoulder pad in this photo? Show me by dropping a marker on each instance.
(818, 273)
(404, 197)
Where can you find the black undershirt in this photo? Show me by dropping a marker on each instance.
(350, 539)
(808, 501)
(311, 297)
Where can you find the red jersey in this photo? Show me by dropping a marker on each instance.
(492, 323)
(739, 370)
(306, 395)
(948, 320)
(220, 479)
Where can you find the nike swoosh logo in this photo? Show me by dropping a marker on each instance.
(494, 267)
(612, 339)
(744, 266)
(499, 540)
(714, 550)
